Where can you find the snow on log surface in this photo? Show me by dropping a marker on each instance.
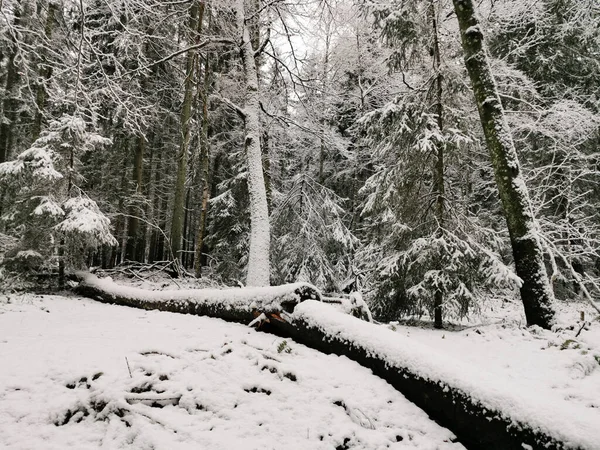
(235, 304)
(79, 374)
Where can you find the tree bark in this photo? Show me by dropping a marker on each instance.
(195, 26)
(133, 238)
(258, 258)
(266, 155)
(9, 105)
(438, 299)
(44, 73)
(205, 175)
(535, 289)
(122, 145)
(325, 84)
(231, 304)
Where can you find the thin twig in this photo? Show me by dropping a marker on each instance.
(128, 368)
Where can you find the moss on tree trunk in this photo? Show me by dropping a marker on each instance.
(535, 291)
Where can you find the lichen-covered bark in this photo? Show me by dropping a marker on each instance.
(258, 258)
(535, 291)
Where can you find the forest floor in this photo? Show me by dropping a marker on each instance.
(79, 374)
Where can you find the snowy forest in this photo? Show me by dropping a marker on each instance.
(412, 162)
(334, 143)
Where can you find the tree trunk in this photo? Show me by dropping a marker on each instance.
(325, 85)
(266, 154)
(9, 104)
(133, 237)
(205, 176)
(230, 304)
(186, 226)
(149, 192)
(535, 291)
(44, 73)
(439, 162)
(156, 205)
(195, 26)
(123, 146)
(258, 258)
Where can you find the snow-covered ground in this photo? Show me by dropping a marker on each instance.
(557, 370)
(79, 374)
(563, 365)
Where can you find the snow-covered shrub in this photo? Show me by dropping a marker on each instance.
(463, 270)
(311, 241)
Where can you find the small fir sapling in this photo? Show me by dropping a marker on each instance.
(51, 214)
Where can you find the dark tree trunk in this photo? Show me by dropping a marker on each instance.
(133, 226)
(195, 26)
(535, 291)
(44, 74)
(155, 197)
(438, 299)
(267, 167)
(186, 226)
(9, 104)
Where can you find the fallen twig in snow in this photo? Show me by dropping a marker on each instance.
(128, 368)
(583, 325)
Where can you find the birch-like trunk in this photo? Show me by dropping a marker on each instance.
(535, 291)
(258, 259)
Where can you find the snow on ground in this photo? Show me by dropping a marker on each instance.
(558, 365)
(79, 374)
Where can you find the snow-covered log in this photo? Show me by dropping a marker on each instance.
(241, 305)
(483, 411)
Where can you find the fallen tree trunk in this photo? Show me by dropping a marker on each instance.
(233, 305)
(464, 400)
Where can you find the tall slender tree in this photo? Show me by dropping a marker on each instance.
(536, 294)
(194, 29)
(260, 235)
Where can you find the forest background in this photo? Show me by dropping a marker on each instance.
(156, 132)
